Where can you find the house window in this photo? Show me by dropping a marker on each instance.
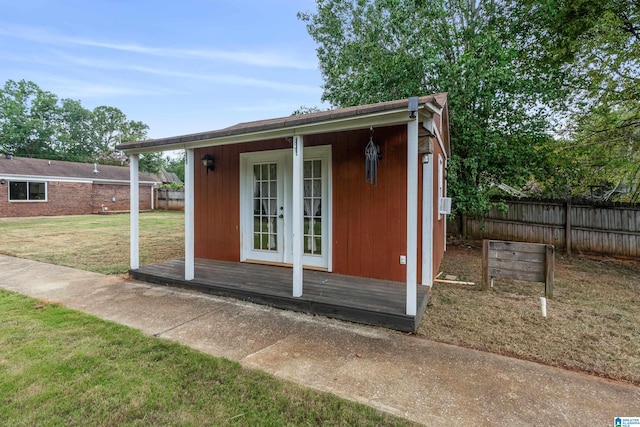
(27, 191)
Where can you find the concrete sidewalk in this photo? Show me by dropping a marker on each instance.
(428, 382)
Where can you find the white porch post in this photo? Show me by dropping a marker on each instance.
(427, 219)
(297, 212)
(189, 243)
(134, 208)
(412, 215)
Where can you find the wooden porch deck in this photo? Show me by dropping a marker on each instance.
(356, 299)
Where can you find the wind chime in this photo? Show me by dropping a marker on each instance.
(372, 158)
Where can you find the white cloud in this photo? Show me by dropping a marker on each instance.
(78, 89)
(270, 59)
(226, 79)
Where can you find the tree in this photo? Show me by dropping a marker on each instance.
(598, 42)
(27, 119)
(151, 162)
(305, 110)
(110, 127)
(74, 137)
(34, 123)
(599, 159)
(176, 164)
(482, 52)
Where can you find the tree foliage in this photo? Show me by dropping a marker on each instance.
(598, 42)
(482, 52)
(176, 164)
(305, 110)
(35, 123)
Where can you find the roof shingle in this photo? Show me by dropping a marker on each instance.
(61, 169)
(438, 100)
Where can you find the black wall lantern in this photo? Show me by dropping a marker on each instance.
(209, 162)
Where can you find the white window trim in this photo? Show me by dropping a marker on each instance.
(46, 191)
(440, 184)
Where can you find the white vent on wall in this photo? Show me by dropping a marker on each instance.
(445, 205)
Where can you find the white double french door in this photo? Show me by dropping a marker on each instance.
(266, 206)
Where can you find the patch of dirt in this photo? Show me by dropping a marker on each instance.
(592, 323)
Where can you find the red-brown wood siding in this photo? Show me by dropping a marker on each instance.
(217, 199)
(369, 222)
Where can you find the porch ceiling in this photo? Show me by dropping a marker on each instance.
(343, 119)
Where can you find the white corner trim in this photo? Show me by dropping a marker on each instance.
(189, 221)
(427, 222)
(439, 138)
(412, 217)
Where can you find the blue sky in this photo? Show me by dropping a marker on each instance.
(178, 66)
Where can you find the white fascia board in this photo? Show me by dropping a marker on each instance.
(46, 178)
(73, 180)
(379, 119)
(122, 182)
(433, 108)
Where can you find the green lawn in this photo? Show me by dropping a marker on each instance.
(59, 367)
(97, 243)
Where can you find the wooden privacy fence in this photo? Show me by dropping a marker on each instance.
(532, 262)
(580, 227)
(170, 199)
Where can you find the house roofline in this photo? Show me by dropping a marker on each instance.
(343, 119)
(49, 178)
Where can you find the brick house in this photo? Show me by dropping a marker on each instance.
(39, 187)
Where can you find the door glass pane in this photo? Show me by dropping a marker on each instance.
(308, 173)
(312, 207)
(265, 201)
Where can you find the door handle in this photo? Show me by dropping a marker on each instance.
(280, 216)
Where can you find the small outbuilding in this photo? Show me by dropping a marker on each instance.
(340, 213)
(39, 187)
